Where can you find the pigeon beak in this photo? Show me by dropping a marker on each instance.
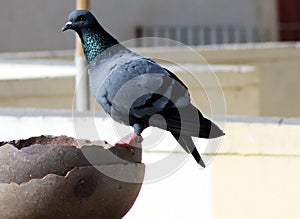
(67, 26)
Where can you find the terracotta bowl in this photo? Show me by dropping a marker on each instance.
(61, 177)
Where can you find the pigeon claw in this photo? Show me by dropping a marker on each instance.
(130, 141)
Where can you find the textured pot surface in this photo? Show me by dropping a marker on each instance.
(60, 177)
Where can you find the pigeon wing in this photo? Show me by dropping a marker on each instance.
(147, 89)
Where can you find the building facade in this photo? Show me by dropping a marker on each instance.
(35, 24)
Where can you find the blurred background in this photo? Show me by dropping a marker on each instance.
(193, 22)
(251, 47)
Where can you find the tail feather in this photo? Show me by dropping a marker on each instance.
(192, 123)
(208, 129)
(188, 145)
(198, 158)
(185, 123)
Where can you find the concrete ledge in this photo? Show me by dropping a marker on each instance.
(214, 54)
(262, 139)
(244, 135)
(56, 54)
(259, 157)
(34, 112)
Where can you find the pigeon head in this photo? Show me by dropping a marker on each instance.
(80, 19)
(95, 40)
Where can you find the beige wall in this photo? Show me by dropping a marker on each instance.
(238, 84)
(278, 64)
(268, 17)
(37, 93)
(256, 172)
(280, 76)
(219, 89)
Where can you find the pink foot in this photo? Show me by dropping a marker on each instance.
(130, 141)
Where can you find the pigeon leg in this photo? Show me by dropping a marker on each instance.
(130, 141)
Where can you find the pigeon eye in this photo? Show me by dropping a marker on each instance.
(80, 18)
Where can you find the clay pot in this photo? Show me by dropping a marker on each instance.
(61, 177)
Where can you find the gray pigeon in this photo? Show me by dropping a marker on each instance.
(135, 90)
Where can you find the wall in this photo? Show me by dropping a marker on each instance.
(278, 64)
(255, 173)
(38, 84)
(50, 84)
(35, 24)
(267, 14)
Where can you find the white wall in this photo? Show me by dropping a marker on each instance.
(35, 24)
(255, 173)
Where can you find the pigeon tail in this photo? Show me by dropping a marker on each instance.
(208, 129)
(186, 142)
(192, 123)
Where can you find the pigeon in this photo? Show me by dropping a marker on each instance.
(136, 91)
